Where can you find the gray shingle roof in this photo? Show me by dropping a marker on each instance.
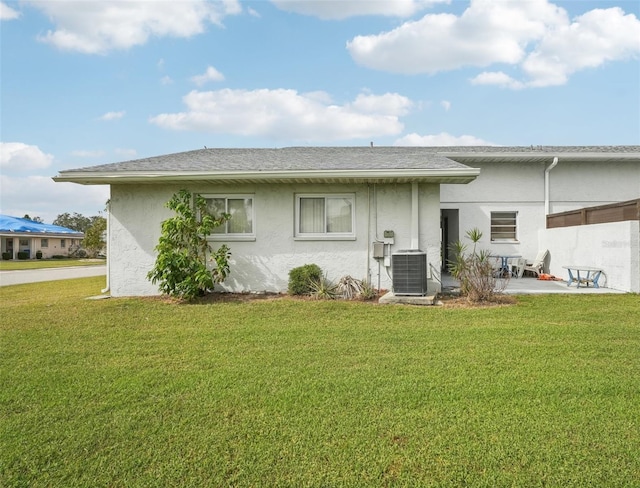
(333, 164)
(342, 158)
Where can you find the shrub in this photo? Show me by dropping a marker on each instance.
(349, 287)
(367, 291)
(58, 256)
(80, 253)
(183, 250)
(301, 279)
(6, 256)
(38, 254)
(475, 271)
(23, 254)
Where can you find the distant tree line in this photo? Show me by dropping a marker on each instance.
(93, 229)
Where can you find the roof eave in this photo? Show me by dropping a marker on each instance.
(450, 175)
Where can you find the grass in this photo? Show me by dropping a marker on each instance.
(141, 392)
(12, 265)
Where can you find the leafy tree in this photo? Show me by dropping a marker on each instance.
(77, 222)
(34, 219)
(183, 249)
(94, 239)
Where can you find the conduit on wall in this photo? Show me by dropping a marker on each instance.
(415, 217)
(547, 198)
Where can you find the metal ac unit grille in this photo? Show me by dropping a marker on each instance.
(409, 270)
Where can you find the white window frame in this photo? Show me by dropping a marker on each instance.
(329, 236)
(44, 242)
(226, 236)
(515, 226)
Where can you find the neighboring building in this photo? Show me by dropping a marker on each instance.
(352, 209)
(27, 237)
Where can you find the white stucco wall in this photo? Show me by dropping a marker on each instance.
(521, 187)
(264, 264)
(614, 247)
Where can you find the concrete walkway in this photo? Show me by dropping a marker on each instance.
(49, 274)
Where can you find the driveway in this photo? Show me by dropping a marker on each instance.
(49, 274)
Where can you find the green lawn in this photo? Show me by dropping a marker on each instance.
(12, 265)
(141, 392)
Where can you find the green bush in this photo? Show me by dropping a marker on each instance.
(183, 250)
(302, 278)
(23, 254)
(6, 256)
(38, 254)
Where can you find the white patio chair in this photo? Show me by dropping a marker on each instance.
(517, 266)
(537, 266)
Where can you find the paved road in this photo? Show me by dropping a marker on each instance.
(49, 274)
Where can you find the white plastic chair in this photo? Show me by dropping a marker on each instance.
(537, 267)
(517, 267)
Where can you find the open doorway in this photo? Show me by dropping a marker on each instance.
(450, 229)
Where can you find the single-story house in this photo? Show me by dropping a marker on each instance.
(359, 211)
(27, 237)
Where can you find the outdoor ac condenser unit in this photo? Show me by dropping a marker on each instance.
(409, 268)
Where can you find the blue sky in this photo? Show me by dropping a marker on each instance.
(88, 82)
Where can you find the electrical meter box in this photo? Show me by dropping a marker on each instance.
(378, 250)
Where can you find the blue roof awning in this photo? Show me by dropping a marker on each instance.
(18, 225)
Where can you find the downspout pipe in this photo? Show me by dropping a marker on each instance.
(107, 288)
(547, 198)
(415, 217)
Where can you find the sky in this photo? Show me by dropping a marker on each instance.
(89, 82)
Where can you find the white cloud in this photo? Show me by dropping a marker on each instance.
(336, 10)
(211, 74)
(18, 157)
(592, 39)
(498, 78)
(113, 115)
(287, 114)
(7, 13)
(535, 36)
(166, 80)
(97, 26)
(442, 139)
(41, 196)
(446, 105)
(387, 104)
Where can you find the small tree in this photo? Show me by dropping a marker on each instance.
(474, 270)
(94, 237)
(183, 249)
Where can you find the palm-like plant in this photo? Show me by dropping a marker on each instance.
(474, 270)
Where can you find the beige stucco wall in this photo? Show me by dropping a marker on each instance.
(136, 212)
(34, 244)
